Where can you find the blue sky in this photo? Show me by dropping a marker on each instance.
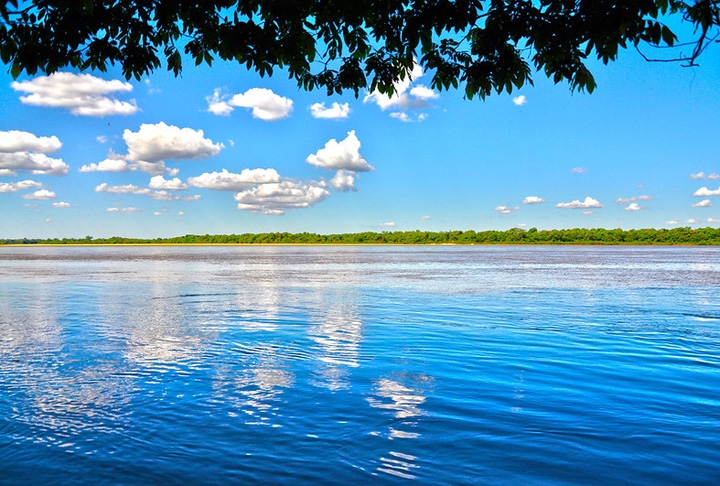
(221, 150)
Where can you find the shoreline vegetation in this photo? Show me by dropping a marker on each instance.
(515, 236)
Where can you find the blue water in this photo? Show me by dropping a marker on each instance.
(360, 365)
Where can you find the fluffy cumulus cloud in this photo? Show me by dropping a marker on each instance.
(341, 155)
(82, 94)
(344, 180)
(533, 200)
(633, 207)
(174, 184)
(154, 143)
(61, 205)
(705, 203)
(19, 186)
(275, 198)
(425, 218)
(672, 222)
(693, 221)
(112, 164)
(519, 100)
(713, 220)
(42, 194)
(705, 192)
(387, 224)
(405, 98)
(576, 204)
(17, 141)
(335, 112)
(265, 104)
(34, 163)
(27, 152)
(228, 181)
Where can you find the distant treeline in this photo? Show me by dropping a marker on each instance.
(515, 236)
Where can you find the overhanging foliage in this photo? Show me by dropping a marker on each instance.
(483, 46)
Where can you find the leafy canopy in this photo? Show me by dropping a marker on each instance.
(339, 45)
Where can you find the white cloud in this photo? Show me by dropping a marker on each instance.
(180, 213)
(705, 192)
(503, 209)
(26, 151)
(156, 143)
(344, 180)
(705, 203)
(126, 189)
(107, 165)
(341, 155)
(159, 182)
(699, 175)
(425, 218)
(335, 112)
(519, 100)
(405, 97)
(19, 186)
(101, 139)
(82, 94)
(217, 105)
(672, 222)
(136, 190)
(625, 200)
(7, 173)
(714, 176)
(42, 194)
(17, 141)
(61, 205)
(578, 170)
(275, 198)
(713, 220)
(399, 115)
(265, 104)
(587, 203)
(633, 207)
(588, 213)
(163, 196)
(35, 163)
(195, 197)
(533, 200)
(388, 224)
(172, 172)
(128, 209)
(228, 181)
(692, 221)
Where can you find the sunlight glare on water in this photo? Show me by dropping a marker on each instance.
(452, 365)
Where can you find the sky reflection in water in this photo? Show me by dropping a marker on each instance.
(347, 364)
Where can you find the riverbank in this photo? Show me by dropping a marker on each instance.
(514, 236)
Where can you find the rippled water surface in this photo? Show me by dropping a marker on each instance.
(359, 365)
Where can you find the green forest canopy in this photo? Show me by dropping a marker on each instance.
(483, 46)
(577, 236)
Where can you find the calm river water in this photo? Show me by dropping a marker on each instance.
(359, 365)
